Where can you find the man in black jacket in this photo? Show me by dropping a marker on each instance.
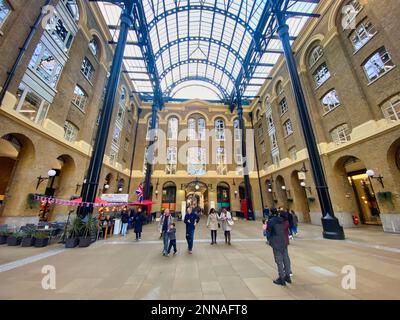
(279, 245)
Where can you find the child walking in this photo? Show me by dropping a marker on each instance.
(265, 228)
(172, 238)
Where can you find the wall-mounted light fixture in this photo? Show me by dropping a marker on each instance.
(51, 173)
(371, 175)
(303, 184)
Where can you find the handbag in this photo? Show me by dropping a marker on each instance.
(230, 222)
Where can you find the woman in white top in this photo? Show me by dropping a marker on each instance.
(227, 223)
(212, 224)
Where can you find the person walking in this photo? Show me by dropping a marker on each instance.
(290, 220)
(265, 226)
(212, 224)
(138, 220)
(285, 216)
(191, 219)
(125, 221)
(165, 221)
(227, 223)
(295, 223)
(278, 241)
(172, 238)
(266, 212)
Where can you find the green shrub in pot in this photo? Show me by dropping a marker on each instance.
(15, 238)
(41, 239)
(4, 234)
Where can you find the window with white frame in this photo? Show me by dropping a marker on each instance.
(60, 33)
(170, 167)
(341, 134)
(283, 106)
(273, 141)
(220, 130)
(70, 131)
(363, 33)
(293, 153)
(270, 122)
(268, 103)
(196, 129)
(238, 154)
(31, 105)
(80, 98)
(94, 47)
(192, 129)
(149, 129)
(315, 55)
(279, 88)
(173, 125)
(120, 114)
(391, 108)
(45, 65)
(222, 168)
(330, 101)
(5, 11)
(201, 128)
(276, 159)
(72, 8)
(321, 75)
(288, 128)
(116, 135)
(378, 64)
(87, 69)
(196, 161)
(236, 130)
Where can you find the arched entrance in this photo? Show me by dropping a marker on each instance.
(366, 203)
(169, 196)
(63, 181)
(197, 195)
(281, 191)
(300, 196)
(242, 196)
(223, 196)
(270, 199)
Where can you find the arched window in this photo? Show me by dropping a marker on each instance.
(171, 160)
(173, 124)
(220, 130)
(196, 159)
(268, 103)
(315, 55)
(149, 128)
(73, 9)
(236, 129)
(279, 88)
(196, 129)
(192, 129)
(94, 47)
(201, 124)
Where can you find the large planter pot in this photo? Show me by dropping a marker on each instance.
(28, 242)
(84, 242)
(3, 239)
(39, 243)
(71, 242)
(13, 241)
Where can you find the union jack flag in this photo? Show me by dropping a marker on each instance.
(139, 192)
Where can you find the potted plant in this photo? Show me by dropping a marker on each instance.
(311, 199)
(28, 239)
(88, 228)
(4, 234)
(41, 239)
(73, 232)
(15, 239)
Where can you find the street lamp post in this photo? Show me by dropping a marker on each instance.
(330, 224)
(51, 174)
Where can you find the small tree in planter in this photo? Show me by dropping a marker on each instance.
(88, 227)
(73, 233)
(4, 234)
(41, 239)
(15, 239)
(29, 237)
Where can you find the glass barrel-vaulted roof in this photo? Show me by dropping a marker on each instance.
(204, 44)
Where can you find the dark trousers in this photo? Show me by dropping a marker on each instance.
(138, 235)
(213, 236)
(172, 243)
(189, 239)
(227, 236)
(283, 262)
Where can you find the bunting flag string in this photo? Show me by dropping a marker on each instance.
(64, 202)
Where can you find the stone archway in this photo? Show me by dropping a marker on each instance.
(223, 196)
(65, 183)
(300, 201)
(168, 198)
(281, 192)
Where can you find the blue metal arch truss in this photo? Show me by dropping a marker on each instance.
(223, 93)
(198, 39)
(200, 61)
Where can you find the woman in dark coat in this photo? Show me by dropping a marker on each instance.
(138, 220)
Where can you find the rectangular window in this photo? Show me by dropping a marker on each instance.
(391, 109)
(363, 33)
(321, 75)
(340, 134)
(330, 101)
(31, 105)
(87, 69)
(276, 159)
(113, 155)
(117, 135)
(5, 10)
(273, 140)
(70, 131)
(45, 65)
(221, 162)
(283, 106)
(80, 98)
(288, 128)
(61, 35)
(196, 161)
(170, 168)
(293, 153)
(378, 64)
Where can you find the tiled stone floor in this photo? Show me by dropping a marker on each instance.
(121, 268)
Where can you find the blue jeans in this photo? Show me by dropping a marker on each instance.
(124, 228)
(165, 241)
(294, 229)
(189, 239)
(172, 243)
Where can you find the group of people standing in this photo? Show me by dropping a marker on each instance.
(216, 220)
